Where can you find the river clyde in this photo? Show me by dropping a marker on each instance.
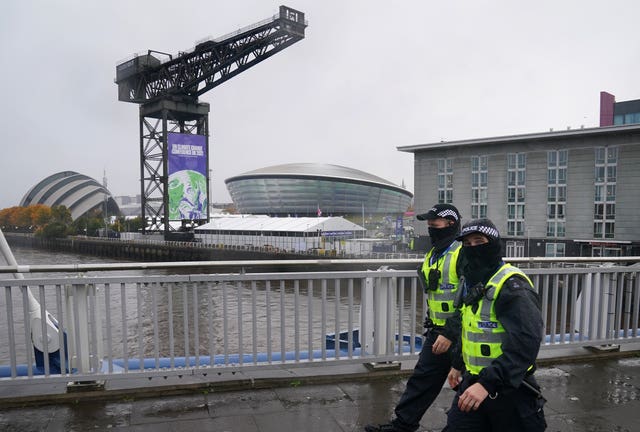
(27, 256)
(34, 256)
(221, 309)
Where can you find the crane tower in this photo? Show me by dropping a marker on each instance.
(174, 125)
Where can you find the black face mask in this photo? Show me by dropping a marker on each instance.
(442, 237)
(481, 262)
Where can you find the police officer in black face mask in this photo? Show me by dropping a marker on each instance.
(482, 260)
(500, 337)
(439, 279)
(443, 222)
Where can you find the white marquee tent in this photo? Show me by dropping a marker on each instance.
(291, 234)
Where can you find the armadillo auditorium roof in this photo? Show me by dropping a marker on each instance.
(78, 192)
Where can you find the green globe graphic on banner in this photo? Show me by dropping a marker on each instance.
(187, 195)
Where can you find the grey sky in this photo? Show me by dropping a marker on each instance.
(370, 75)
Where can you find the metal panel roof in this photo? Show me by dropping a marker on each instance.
(583, 132)
(78, 192)
(315, 170)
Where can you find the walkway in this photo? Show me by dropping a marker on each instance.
(601, 394)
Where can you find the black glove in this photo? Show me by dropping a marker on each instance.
(474, 294)
(428, 323)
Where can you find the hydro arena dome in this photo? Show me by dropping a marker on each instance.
(79, 193)
(311, 189)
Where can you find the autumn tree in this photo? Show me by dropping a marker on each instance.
(16, 219)
(28, 218)
(4, 218)
(58, 225)
(88, 223)
(40, 214)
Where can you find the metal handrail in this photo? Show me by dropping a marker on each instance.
(239, 264)
(261, 320)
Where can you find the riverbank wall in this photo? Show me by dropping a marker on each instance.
(145, 251)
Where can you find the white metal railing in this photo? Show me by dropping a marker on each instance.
(117, 326)
(114, 325)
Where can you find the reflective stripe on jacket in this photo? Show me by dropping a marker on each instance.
(482, 332)
(440, 300)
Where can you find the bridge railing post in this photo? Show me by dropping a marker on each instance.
(83, 328)
(379, 305)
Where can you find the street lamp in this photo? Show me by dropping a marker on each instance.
(106, 215)
(363, 226)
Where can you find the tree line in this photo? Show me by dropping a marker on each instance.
(56, 221)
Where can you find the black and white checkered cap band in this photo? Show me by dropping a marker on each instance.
(483, 229)
(444, 213)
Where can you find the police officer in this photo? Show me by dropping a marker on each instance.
(501, 335)
(439, 278)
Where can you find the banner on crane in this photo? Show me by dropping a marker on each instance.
(187, 168)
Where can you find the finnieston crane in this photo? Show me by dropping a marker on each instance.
(174, 125)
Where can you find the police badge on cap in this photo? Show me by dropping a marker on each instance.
(446, 211)
(482, 226)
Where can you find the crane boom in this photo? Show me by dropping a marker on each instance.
(188, 75)
(174, 184)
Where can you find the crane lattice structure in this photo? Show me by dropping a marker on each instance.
(167, 88)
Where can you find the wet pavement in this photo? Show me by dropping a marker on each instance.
(595, 395)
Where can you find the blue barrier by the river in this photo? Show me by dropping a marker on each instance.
(121, 365)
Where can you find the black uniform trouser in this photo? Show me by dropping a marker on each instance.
(513, 410)
(423, 386)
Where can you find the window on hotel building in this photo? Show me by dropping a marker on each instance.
(604, 197)
(628, 118)
(479, 177)
(557, 162)
(516, 179)
(554, 250)
(515, 248)
(445, 181)
(601, 251)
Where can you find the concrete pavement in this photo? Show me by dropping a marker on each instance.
(600, 394)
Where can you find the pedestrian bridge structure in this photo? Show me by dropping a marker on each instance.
(73, 324)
